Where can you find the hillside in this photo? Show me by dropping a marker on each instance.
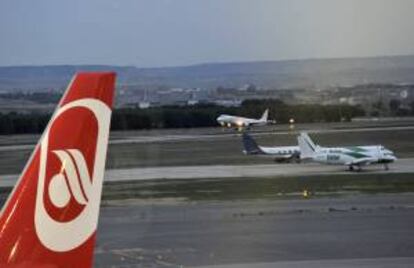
(313, 73)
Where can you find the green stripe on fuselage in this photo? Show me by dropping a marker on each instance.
(356, 154)
(356, 149)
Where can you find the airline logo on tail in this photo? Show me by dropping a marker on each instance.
(67, 181)
(50, 218)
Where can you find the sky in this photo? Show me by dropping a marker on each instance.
(157, 33)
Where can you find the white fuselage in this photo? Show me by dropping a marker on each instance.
(354, 156)
(281, 152)
(357, 155)
(238, 121)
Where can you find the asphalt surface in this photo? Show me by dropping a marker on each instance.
(235, 171)
(347, 231)
(352, 231)
(247, 171)
(365, 263)
(134, 139)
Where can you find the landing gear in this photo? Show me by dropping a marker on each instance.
(386, 167)
(296, 157)
(351, 168)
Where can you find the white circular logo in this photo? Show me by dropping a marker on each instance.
(73, 181)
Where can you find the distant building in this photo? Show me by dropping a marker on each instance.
(144, 105)
(192, 102)
(228, 103)
(176, 89)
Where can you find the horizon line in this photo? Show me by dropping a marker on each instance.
(209, 62)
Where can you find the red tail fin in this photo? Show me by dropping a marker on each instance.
(51, 217)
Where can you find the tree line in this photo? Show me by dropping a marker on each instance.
(203, 115)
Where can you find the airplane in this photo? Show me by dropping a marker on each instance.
(226, 120)
(51, 216)
(280, 154)
(355, 156)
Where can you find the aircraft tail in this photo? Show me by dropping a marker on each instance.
(306, 145)
(250, 145)
(50, 218)
(265, 115)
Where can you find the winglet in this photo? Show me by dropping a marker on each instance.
(50, 218)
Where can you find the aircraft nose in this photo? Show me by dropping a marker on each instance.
(390, 157)
(391, 153)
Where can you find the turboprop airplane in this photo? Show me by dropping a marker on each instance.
(280, 154)
(226, 120)
(51, 216)
(355, 156)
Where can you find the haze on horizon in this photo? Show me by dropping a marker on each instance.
(152, 33)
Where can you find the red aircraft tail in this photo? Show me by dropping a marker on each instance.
(50, 218)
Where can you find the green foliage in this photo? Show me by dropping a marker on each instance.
(302, 113)
(193, 116)
(168, 117)
(14, 123)
(205, 115)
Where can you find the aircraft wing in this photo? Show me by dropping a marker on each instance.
(254, 122)
(363, 161)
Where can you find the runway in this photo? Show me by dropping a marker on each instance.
(183, 137)
(405, 165)
(198, 147)
(200, 214)
(363, 263)
(217, 134)
(249, 171)
(353, 231)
